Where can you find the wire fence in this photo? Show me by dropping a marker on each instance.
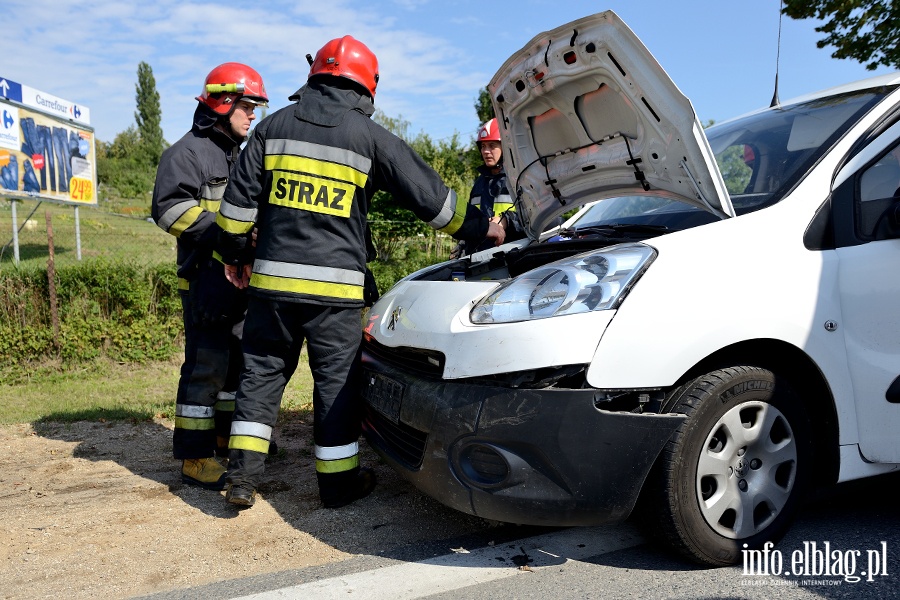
(92, 233)
(85, 233)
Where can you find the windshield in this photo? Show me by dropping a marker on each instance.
(764, 155)
(647, 211)
(761, 156)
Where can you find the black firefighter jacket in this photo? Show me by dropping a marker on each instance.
(306, 178)
(190, 182)
(490, 194)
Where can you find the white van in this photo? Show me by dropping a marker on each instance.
(717, 333)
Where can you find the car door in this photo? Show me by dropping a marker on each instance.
(868, 247)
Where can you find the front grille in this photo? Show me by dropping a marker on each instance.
(405, 444)
(423, 362)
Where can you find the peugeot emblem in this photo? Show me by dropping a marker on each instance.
(395, 318)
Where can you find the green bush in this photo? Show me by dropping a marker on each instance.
(123, 311)
(409, 256)
(117, 310)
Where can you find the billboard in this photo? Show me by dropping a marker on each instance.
(47, 148)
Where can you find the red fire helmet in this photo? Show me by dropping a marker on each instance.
(489, 132)
(230, 82)
(350, 58)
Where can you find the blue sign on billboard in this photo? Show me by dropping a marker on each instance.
(10, 90)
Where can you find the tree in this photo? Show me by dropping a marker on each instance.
(398, 126)
(128, 164)
(122, 165)
(735, 171)
(483, 106)
(864, 30)
(149, 114)
(390, 222)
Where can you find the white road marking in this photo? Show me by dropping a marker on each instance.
(461, 568)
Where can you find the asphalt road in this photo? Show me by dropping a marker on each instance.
(845, 544)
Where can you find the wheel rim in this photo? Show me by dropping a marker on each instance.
(746, 470)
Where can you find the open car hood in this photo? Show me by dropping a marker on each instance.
(586, 113)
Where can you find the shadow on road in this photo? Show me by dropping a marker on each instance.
(394, 522)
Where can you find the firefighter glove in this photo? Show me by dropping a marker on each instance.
(214, 300)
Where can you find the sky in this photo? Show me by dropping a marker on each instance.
(434, 55)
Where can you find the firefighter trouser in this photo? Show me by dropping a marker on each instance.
(209, 377)
(274, 333)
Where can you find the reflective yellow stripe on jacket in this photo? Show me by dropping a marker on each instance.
(502, 203)
(235, 219)
(452, 214)
(313, 177)
(184, 214)
(307, 279)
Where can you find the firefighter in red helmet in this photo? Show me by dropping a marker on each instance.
(490, 193)
(306, 178)
(190, 181)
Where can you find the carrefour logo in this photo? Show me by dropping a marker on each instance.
(50, 104)
(8, 120)
(75, 111)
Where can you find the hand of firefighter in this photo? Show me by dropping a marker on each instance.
(239, 276)
(214, 300)
(457, 250)
(496, 232)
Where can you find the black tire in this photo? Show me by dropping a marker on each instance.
(734, 473)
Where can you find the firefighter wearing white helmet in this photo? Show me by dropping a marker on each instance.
(307, 177)
(190, 181)
(490, 193)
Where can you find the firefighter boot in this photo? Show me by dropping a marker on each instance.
(242, 495)
(358, 487)
(204, 472)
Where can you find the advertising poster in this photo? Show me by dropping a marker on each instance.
(46, 157)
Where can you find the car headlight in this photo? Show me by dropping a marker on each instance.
(595, 280)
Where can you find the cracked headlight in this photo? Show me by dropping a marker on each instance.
(595, 280)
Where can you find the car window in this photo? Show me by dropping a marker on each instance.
(879, 187)
(763, 155)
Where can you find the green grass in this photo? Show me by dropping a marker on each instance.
(107, 391)
(103, 235)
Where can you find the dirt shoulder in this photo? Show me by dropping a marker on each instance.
(94, 509)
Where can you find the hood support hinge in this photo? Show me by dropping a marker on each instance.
(634, 162)
(553, 189)
(699, 191)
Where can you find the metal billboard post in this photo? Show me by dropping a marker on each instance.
(77, 236)
(15, 226)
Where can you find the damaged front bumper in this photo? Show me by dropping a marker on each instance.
(527, 456)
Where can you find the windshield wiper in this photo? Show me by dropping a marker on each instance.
(614, 229)
(636, 227)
